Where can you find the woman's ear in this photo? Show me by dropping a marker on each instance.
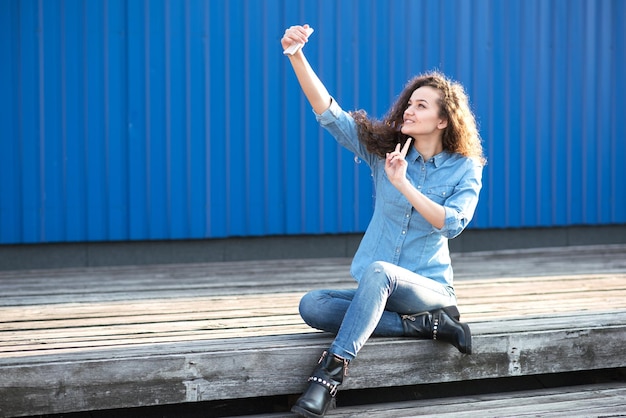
(443, 123)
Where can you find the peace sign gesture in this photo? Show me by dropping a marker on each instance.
(396, 165)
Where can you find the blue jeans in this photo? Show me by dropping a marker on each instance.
(385, 292)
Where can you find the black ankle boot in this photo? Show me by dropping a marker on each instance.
(442, 325)
(327, 375)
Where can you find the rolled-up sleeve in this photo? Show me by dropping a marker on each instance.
(342, 127)
(461, 205)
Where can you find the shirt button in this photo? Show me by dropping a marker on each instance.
(403, 232)
(419, 187)
(408, 215)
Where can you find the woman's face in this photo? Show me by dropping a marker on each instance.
(421, 117)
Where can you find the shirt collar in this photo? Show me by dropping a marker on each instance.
(437, 160)
(441, 158)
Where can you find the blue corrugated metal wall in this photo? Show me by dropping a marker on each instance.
(127, 120)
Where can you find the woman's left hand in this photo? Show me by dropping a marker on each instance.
(396, 165)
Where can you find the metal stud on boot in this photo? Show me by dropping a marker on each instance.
(441, 324)
(323, 383)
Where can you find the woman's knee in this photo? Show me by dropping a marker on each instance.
(309, 305)
(377, 272)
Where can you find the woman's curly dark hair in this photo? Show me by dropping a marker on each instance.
(460, 135)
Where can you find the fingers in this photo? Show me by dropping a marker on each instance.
(399, 153)
(296, 34)
(392, 157)
(405, 148)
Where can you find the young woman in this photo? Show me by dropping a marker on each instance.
(426, 160)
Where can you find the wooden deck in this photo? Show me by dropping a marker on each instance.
(119, 337)
(596, 400)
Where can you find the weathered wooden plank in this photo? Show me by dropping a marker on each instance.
(608, 399)
(539, 324)
(53, 316)
(194, 317)
(173, 277)
(505, 263)
(54, 337)
(111, 283)
(214, 340)
(229, 315)
(475, 289)
(288, 306)
(25, 343)
(210, 305)
(540, 262)
(57, 386)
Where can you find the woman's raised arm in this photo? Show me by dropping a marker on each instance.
(310, 83)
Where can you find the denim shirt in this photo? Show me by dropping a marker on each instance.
(397, 233)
